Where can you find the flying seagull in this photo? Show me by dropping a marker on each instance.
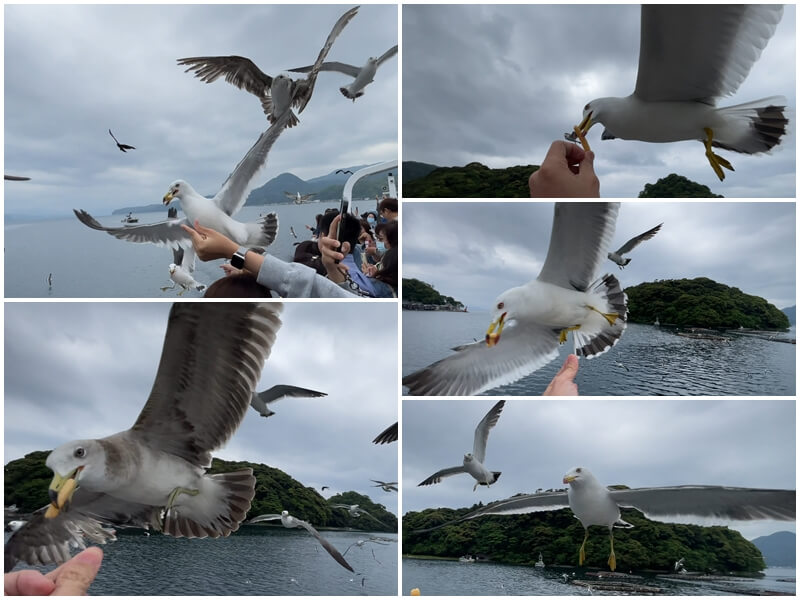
(594, 504)
(363, 76)
(536, 317)
(299, 198)
(153, 475)
(616, 256)
(262, 400)
(387, 436)
(181, 269)
(289, 522)
(473, 462)
(278, 95)
(690, 56)
(344, 171)
(15, 178)
(291, 230)
(216, 213)
(122, 147)
(390, 486)
(355, 511)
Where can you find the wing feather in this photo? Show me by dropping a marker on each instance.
(163, 233)
(482, 431)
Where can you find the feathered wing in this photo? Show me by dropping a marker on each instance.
(337, 556)
(337, 67)
(387, 436)
(212, 359)
(439, 475)
(482, 431)
(635, 241)
(237, 70)
(387, 55)
(260, 518)
(163, 233)
(277, 392)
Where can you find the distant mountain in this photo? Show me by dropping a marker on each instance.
(676, 186)
(778, 549)
(414, 170)
(789, 311)
(471, 181)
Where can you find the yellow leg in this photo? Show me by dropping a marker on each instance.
(716, 161)
(582, 552)
(612, 560)
(563, 335)
(610, 317)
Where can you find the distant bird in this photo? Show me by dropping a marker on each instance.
(679, 566)
(360, 543)
(387, 436)
(630, 245)
(262, 400)
(621, 364)
(299, 198)
(355, 511)
(291, 230)
(289, 522)
(181, 269)
(122, 147)
(363, 76)
(390, 486)
(344, 171)
(50, 280)
(277, 94)
(16, 178)
(473, 463)
(325, 487)
(14, 525)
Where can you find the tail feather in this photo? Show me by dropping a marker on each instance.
(590, 342)
(264, 232)
(760, 126)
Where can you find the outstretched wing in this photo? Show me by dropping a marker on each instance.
(633, 242)
(163, 233)
(387, 55)
(277, 392)
(237, 70)
(332, 66)
(387, 436)
(260, 518)
(439, 475)
(325, 544)
(482, 431)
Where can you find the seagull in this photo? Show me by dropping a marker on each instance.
(16, 178)
(473, 463)
(14, 526)
(355, 511)
(153, 475)
(344, 171)
(690, 56)
(374, 540)
(279, 94)
(390, 486)
(299, 198)
(325, 487)
(594, 504)
(181, 269)
(122, 147)
(363, 76)
(216, 213)
(291, 230)
(50, 280)
(387, 436)
(537, 316)
(261, 400)
(678, 567)
(289, 522)
(616, 256)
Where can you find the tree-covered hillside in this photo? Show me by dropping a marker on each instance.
(471, 181)
(701, 302)
(676, 186)
(415, 290)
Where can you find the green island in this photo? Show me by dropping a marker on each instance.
(27, 480)
(416, 292)
(475, 180)
(701, 302)
(557, 535)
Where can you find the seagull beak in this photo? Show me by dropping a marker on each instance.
(569, 479)
(581, 130)
(492, 336)
(60, 491)
(586, 124)
(168, 197)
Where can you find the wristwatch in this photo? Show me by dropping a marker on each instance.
(237, 260)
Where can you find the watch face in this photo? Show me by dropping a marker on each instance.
(237, 260)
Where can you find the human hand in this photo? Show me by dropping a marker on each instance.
(563, 383)
(566, 172)
(371, 270)
(209, 243)
(330, 252)
(229, 269)
(73, 578)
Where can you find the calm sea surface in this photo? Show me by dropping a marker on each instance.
(259, 561)
(453, 578)
(92, 264)
(647, 360)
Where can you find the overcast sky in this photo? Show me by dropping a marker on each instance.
(475, 251)
(74, 71)
(497, 84)
(638, 443)
(85, 370)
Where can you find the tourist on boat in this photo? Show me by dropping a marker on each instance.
(387, 209)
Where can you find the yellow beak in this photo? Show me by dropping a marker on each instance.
(168, 197)
(569, 479)
(583, 128)
(492, 336)
(61, 490)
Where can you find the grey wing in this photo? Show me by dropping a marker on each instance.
(482, 430)
(387, 55)
(163, 233)
(478, 367)
(276, 392)
(579, 242)
(233, 193)
(332, 66)
(260, 518)
(737, 504)
(306, 87)
(439, 475)
(633, 242)
(325, 544)
(387, 435)
(238, 70)
(212, 358)
(258, 404)
(177, 255)
(728, 37)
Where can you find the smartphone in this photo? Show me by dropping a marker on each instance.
(344, 208)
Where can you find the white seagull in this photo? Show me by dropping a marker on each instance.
(616, 256)
(277, 94)
(473, 463)
(290, 522)
(181, 269)
(690, 56)
(299, 198)
(536, 317)
(261, 401)
(386, 486)
(363, 76)
(355, 511)
(153, 475)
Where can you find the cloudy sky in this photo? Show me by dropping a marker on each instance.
(637, 443)
(497, 84)
(74, 71)
(81, 370)
(475, 251)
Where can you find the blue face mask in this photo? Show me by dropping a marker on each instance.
(381, 246)
(370, 220)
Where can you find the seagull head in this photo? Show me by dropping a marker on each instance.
(578, 476)
(78, 460)
(504, 310)
(172, 268)
(284, 513)
(468, 458)
(177, 189)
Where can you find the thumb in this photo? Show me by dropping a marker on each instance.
(587, 165)
(570, 368)
(75, 576)
(201, 229)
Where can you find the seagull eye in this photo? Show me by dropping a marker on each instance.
(80, 452)
(500, 305)
(586, 107)
(578, 470)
